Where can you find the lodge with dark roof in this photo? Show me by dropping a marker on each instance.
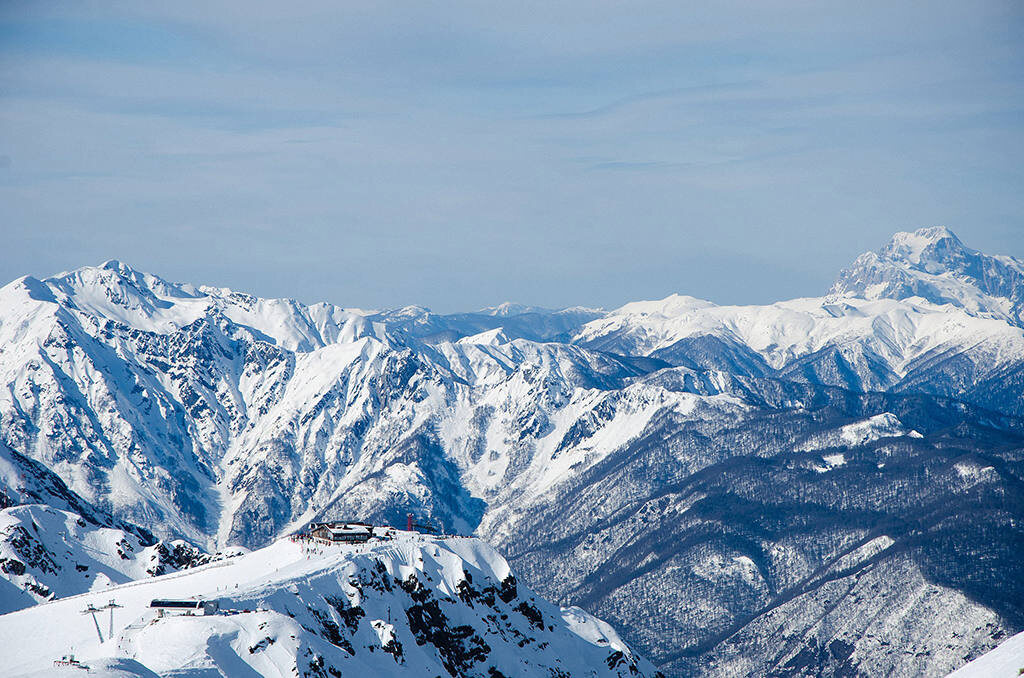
(345, 532)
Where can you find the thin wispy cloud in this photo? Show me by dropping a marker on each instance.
(457, 155)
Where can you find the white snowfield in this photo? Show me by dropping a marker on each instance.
(1006, 661)
(410, 606)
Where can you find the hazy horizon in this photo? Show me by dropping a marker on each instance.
(444, 311)
(459, 156)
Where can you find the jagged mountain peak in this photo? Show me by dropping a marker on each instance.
(117, 265)
(116, 273)
(935, 265)
(117, 292)
(923, 247)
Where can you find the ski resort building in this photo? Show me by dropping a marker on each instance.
(207, 607)
(352, 533)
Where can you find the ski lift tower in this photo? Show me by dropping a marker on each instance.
(413, 526)
(91, 609)
(110, 606)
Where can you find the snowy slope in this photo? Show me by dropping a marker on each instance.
(25, 481)
(933, 264)
(46, 554)
(54, 544)
(1006, 661)
(409, 606)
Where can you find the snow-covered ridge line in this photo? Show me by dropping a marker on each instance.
(933, 264)
(412, 605)
(47, 554)
(601, 450)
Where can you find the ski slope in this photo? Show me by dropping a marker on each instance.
(411, 605)
(1006, 661)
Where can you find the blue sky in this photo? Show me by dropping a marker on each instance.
(460, 154)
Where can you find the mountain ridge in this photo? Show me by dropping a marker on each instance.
(222, 418)
(934, 264)
(406, 605)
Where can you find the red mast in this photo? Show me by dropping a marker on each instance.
(408, 521)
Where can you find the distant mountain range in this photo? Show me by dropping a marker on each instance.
(821, 486)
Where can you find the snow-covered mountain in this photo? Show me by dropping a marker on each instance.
(54, 544)
(923, 314)
(407, 606)
(788, 488)
(934, 265)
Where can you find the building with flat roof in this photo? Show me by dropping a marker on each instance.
(207, 607)
(345, 532)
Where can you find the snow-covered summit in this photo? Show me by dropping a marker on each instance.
(493, 337)
(926, 247)
(116, 292)
(933, 264)
(670, 306)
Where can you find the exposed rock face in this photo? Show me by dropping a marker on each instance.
(408, 606)
(47, 554)
(735, 475)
